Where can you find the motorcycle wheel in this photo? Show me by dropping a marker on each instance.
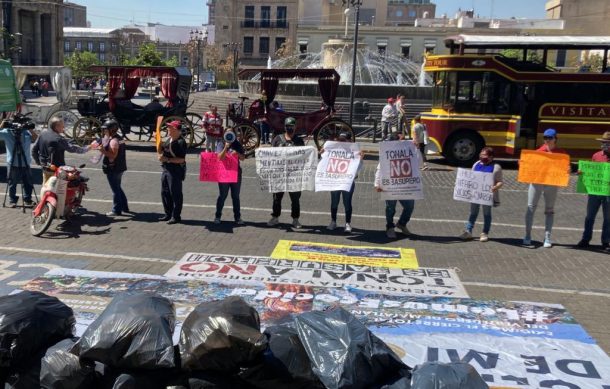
(42, 222)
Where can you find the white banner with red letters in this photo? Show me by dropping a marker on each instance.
(338, 167)
(399, 171)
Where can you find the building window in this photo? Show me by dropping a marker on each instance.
(281, 17)
(249, 16)
(102, 47)
(265, 16)
(263, 45)
(114, 46)
(67, 46)
(279, 41)
(248, 44)
(561, 58)
(429, 50)
(89, 46)
(406, 51)
(102, 57)
(412, 14)
(381, 50)
(399, 14)
(77, 45)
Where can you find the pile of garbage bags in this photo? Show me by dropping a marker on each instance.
(129, 346)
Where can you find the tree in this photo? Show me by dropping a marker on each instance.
(591, 62)
(148, 56)
(532, 55)
(79, 61)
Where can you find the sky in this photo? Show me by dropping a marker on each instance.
(117, 13)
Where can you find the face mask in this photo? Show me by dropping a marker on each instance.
(290, 130)
(606, 148)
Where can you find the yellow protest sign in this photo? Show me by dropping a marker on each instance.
(538, 167)
(158, 132)
(398, 258)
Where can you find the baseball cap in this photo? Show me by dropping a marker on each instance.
(345, 135)
(391, 100)
(550, 132)
(175, 123)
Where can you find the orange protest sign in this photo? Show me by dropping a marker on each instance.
(538, 167)
(158, 132)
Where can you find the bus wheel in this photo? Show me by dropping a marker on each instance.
(463, 149)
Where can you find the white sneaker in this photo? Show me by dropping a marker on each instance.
(390, 233)
(547, 243)
(484, 237)
(217, 220)
(348, 228)
(295, 223)
(466, 235)
(274, 221)
(332, 226)
(404, 229)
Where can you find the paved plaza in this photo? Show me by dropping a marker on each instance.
(499, 269)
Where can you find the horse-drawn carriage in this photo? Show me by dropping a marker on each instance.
(322, 124)
(136, 121)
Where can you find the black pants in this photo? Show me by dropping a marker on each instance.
(295, 203)
(223, 192)
(171, 191)
(422, 150)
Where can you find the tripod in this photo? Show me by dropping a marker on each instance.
(19, 161)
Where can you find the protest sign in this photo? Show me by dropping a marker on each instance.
(211, 169)
(538, 167)
(338, 167)
(400, 258)
(399, 171)
(594, 178)
(286, 169)
(261, 270)
(473, 187)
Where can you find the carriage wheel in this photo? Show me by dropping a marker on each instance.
(86, 130)
(69, 118)
(249, 137)
(143, 134)
(330, 130)
(198, 130)
(187, 128)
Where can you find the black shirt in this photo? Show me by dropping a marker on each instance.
(281, 141)
(174, 149)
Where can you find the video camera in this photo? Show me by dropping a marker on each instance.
(19, 122)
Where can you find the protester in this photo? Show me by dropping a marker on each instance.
(419, 138)
(548, 191)
(287, 139)
(171, 154)
(401, 108)
(335, 195)
(50, 148)
(18, 168)
(114, 165)
(484, 164)
(388, 117)
(230, 147)
(212, 123)
(594, 202)
(390, 205)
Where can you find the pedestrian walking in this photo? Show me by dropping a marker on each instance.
(594, 202)
(114, 165)
(484, 164)
(231, 145)
(420, 139)
(171, 154)
(549, 192)
(389, 115)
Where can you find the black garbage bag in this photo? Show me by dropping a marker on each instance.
(456, 375)
(221, 336)
(133, 332)
(31, 322)
(61, 368)
(211, 380)
(284, 364)
(344, 353)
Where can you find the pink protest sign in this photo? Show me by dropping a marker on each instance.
(213, 170)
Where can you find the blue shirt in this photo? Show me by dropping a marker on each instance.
(9, 139)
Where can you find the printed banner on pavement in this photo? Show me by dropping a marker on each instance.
(474, 187)
(399, 258)
(211, 169)
(338, 167)
(286, 169)
(399, 171)
(594, 178)
(538, 167)
(261, 270)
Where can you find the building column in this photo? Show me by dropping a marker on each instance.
(15, 28)
(37, 39)
(54, 42)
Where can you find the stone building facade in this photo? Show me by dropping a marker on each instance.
(75, 15)
(582, 17)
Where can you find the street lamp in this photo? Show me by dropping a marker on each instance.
(199, 36)
(235, 47)
(356, 4)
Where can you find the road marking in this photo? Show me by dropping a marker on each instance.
(538, 289)
(86, 254)
(267, 210)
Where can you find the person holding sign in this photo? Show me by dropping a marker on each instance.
(171, 154)
(548, 191)
(287, 139)
(594, 202)
(231, 146)
(485, 164)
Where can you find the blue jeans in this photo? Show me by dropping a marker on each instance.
(405, 216)
(119, 200)
(593, 204)
(223, 192)
(474, 213)
(16, 174)
(335, 196)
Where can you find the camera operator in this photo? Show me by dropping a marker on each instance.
(231, 146)
(15, 163)
(50, 147)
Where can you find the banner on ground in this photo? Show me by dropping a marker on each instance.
(286, 169)
(399, 171)
(527, 345)
(211, 169)
(473, 187)
(338, 167)
(538, 167)
(400, 258)
(261, 270)
(594, 178)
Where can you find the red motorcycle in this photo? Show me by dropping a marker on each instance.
(61, 196)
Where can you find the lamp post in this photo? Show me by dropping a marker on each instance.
(198, 36)
(356, 4)
(235, 47)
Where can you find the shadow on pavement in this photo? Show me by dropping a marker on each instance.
(64, 229)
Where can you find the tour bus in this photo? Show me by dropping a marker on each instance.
(484, 96)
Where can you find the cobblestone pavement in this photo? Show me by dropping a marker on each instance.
(498, 269)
